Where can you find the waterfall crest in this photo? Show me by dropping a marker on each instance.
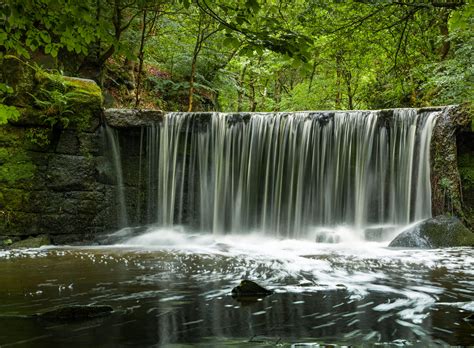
(287, 173)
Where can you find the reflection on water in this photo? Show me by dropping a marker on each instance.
(173, 289)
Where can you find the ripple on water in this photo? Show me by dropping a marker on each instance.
(320, 290)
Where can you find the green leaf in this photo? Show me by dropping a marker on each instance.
(8, 113)
(231, 42)
(45, 36)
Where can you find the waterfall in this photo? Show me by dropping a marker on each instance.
(287, 173)
(114, 146)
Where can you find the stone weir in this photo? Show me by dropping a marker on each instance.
(63, 181)
(283, 172)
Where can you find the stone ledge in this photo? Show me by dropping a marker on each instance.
(130, 118)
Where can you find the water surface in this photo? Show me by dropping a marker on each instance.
(169, 288)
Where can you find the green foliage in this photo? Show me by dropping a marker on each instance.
(7, 242)
(38, 136)
(253, 54)
(63, 101)
(7, 112)
(48, 24)
(55, 107)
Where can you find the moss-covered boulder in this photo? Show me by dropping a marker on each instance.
(439, 232)
(63, 101)
(32, 242)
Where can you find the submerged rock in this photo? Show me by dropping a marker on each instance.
(441, 231)
(32, 242)
(76, 312)
(327, 237)
(378, 234)
(248, 288)
(120, 236)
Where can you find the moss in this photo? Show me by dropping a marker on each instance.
(33, 242)
(18, 168)
(13, 199)
(86, 86)
(67, 101)
(454, 234)
(438, 232)
(16, 165)
(10, 136)
(39, 136)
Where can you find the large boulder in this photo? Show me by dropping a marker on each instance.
(438, 232)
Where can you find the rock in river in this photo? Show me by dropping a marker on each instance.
(76, 312)
(438, 232)
(248, 288)
(32, 242)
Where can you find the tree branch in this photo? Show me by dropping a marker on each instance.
(449, 5)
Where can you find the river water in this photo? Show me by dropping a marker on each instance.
(171, 288)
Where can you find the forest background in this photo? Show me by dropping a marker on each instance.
(248, 55)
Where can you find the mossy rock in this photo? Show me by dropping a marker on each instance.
(15, 163)
(68, 101)
(32, 242)
(439, 232)
(13, 199)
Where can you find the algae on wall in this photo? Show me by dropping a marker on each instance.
(49, 177)
(451, 168)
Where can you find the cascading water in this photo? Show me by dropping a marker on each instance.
(288, 174)
(284, 175)
(113, 141)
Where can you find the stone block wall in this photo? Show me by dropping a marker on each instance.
(69, 189)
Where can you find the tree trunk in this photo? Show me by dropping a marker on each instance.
(253, 101)
(338, 82)
(350, 96)
(140, 60)
(311, 78)
(191, 83)
(444, 31)
(197, 48)
(240, 92)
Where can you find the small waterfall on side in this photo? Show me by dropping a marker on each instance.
(113, 141)
(286, 174)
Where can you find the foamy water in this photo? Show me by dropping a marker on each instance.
(343, 288)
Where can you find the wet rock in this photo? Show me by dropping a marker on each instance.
(248, 288)
(327, 237)
(441, 231)
(124, 118)
(120, 236)
(6, 241)
(76, 312)
(71, 173)
(32, 242)
(378, 234)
